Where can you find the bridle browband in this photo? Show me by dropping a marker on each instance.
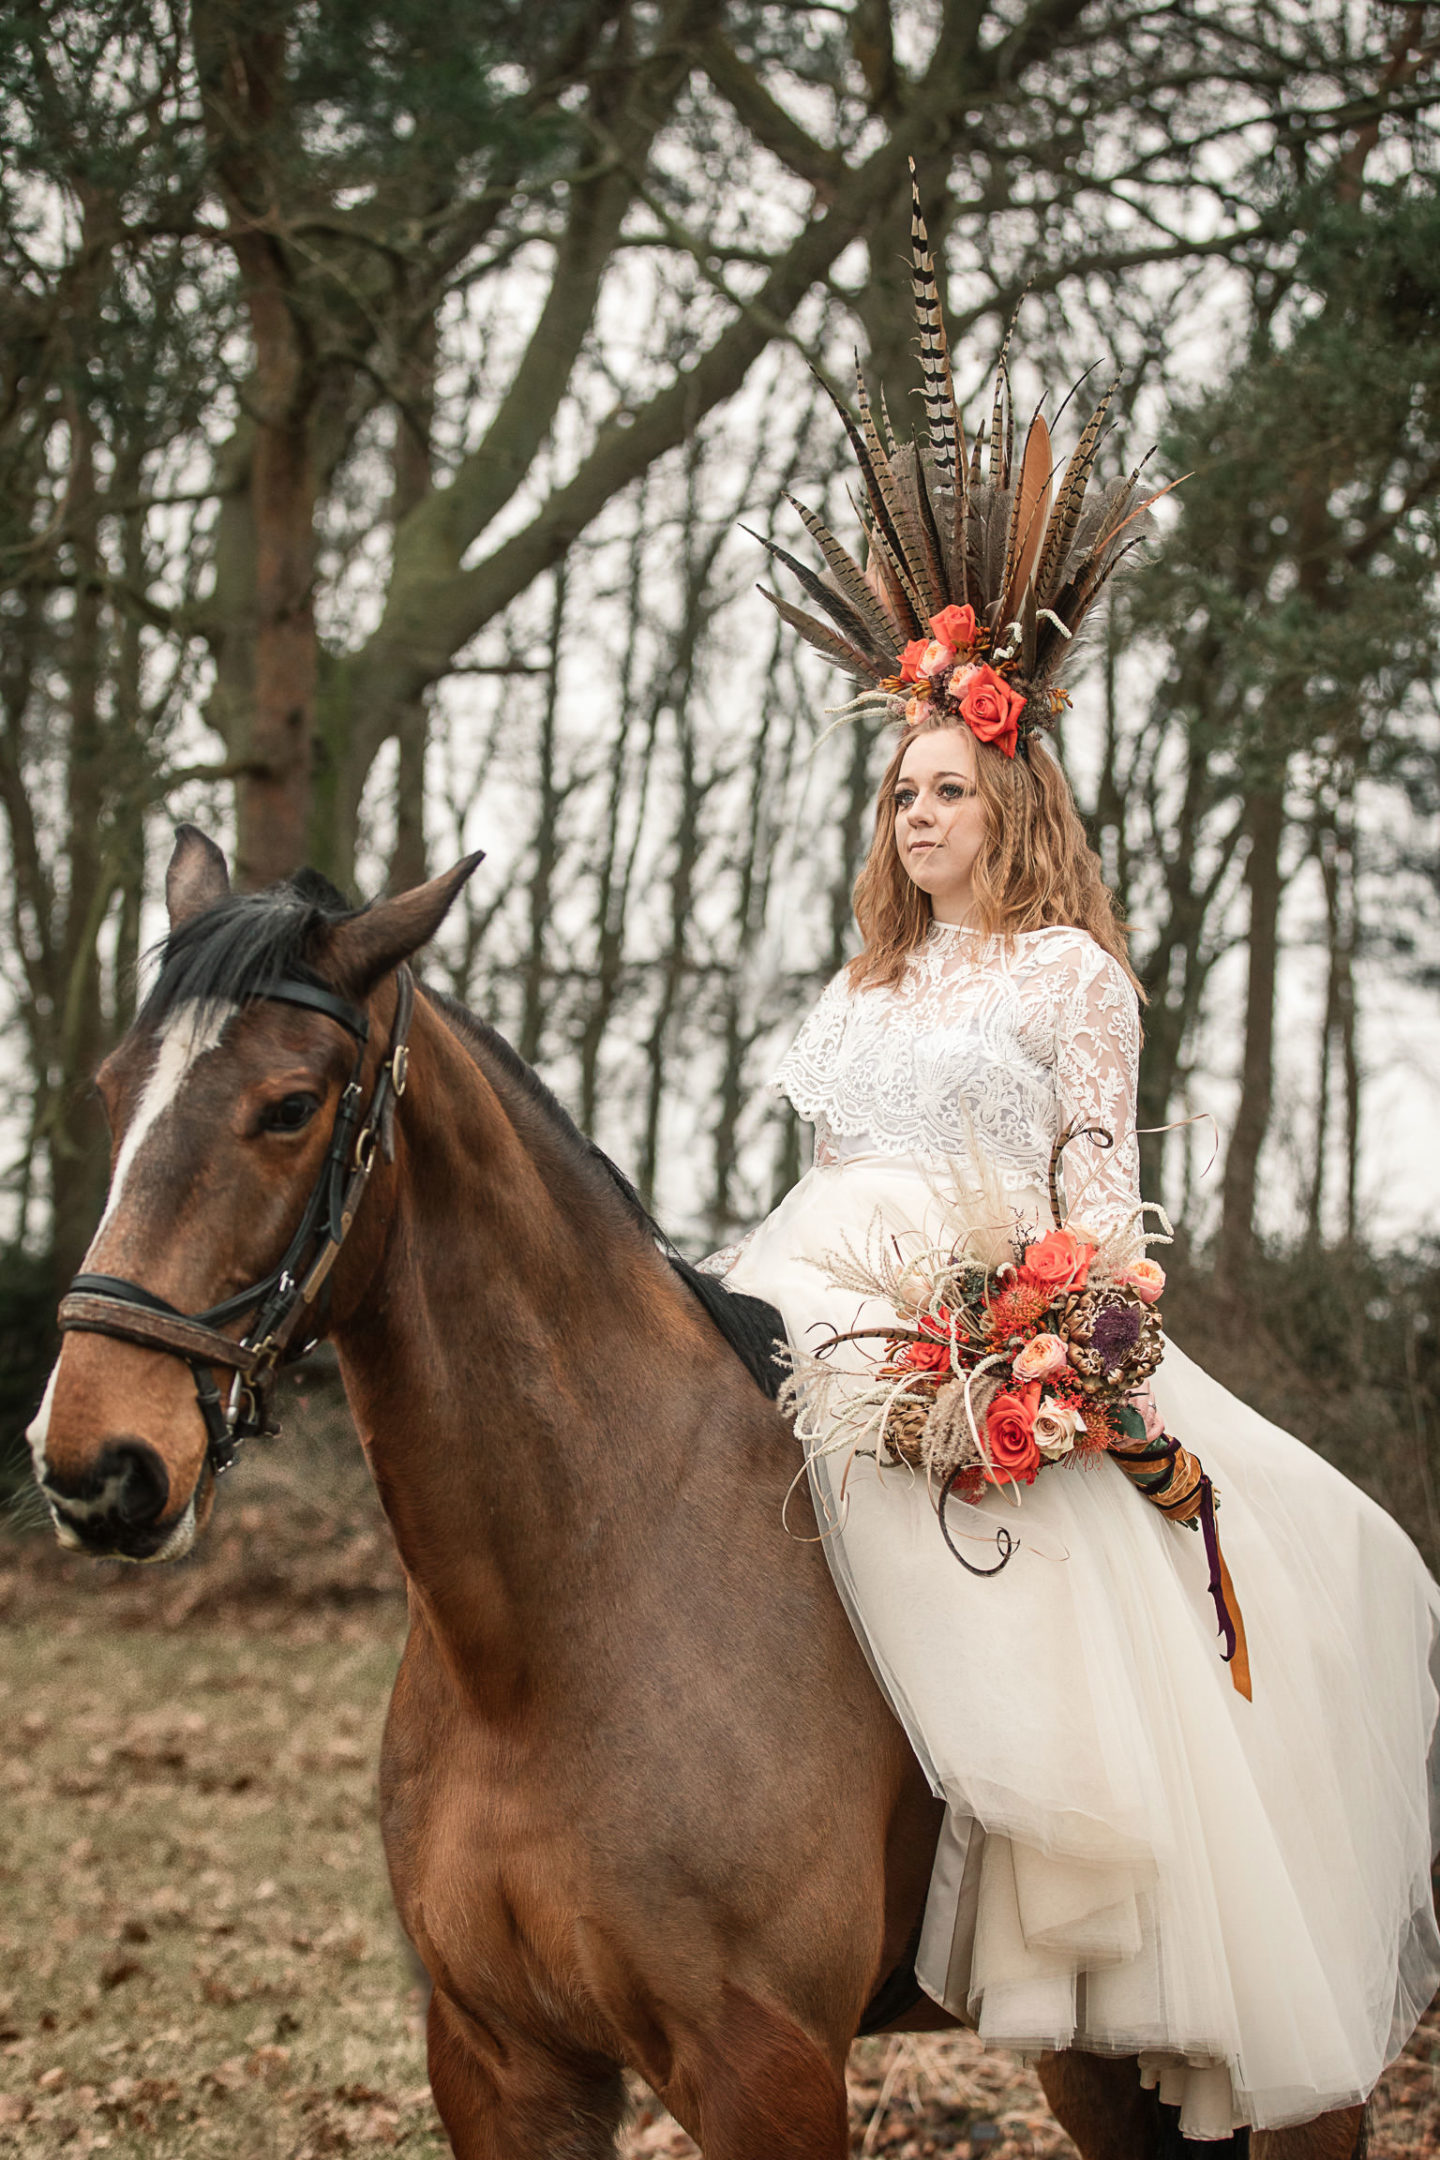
(109, 1305)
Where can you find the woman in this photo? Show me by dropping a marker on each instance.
(1136, 1858)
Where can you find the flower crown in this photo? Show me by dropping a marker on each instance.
(997, 565)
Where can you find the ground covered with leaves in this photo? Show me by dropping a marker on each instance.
(198, 1956)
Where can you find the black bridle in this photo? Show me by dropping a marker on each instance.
(109, 1305)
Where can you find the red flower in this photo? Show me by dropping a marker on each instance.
(1059, 1261)
(955, 626)
(1010, 1436)
(910, 659)
(924, 1357)
(991, 709)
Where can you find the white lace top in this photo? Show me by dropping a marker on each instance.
(982, 1050)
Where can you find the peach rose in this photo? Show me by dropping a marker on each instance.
(916, 708)
(1010, 1436)
(956, 626)
(991, 709)
(1146, 1278)
(935, 658)
(1058, 1261)
(1056, 1424)
(910, 659)
(1042, 1357)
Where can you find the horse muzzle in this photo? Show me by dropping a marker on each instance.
(119, 1506)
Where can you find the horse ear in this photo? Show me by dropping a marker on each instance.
(197, 876)
(357, 953)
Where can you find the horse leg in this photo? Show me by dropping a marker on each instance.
(1100, 2104)
(1340, 2135)
(512, 2100)
(754, 2086)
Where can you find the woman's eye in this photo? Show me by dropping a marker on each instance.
(903, 799)
(291, 1114)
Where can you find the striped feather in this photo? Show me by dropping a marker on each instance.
(1070, 501)
(883, 523)
(947, 433)
(891, 446)
(828, 642)
(846, 619)
(918, 560)
(847, 574)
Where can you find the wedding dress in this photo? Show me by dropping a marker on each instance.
(1135, 1859)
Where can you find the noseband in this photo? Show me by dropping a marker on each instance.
(109, 1305)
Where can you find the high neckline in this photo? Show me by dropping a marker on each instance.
(939, 931)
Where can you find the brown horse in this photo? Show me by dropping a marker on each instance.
(642, 1803)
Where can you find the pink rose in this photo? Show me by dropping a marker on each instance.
(991, 710)
(1042, 1357)
(1146, 1278)
(1010, 1437)
(956, 626)
(935, 657)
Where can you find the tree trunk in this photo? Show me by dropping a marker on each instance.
(244, 87)
(1265, 820)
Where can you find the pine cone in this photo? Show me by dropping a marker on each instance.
(1115, 1341)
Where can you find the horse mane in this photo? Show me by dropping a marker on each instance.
(246, 943)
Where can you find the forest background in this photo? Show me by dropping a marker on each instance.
(382, 386)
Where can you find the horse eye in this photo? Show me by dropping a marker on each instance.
(291, 1114)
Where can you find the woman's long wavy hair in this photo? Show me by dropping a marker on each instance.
(1035, 865)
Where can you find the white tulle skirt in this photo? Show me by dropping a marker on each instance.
(1135, 1859)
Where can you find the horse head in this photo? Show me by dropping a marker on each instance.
(245, 1108)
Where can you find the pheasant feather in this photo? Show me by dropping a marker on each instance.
(947, 436)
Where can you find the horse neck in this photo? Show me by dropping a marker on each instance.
(514, 1366)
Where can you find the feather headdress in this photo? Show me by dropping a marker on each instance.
(979, 571)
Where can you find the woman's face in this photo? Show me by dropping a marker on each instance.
(940, 818)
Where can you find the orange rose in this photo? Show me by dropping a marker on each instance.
(1059, 1261)
(910, 659)
(991, 709)
(955, 626)
(1010, 1436)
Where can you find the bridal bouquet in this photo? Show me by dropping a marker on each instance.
(1001, 1371)
(991, 1369)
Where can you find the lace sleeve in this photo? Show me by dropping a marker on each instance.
(1097, 1067)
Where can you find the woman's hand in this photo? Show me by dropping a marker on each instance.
(1144, 1401)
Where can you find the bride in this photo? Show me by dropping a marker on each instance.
(1136, 1859)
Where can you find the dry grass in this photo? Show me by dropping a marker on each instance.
(197, 1952)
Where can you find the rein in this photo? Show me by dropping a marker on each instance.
(109, 1305)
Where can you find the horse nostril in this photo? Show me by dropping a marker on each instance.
(139, 1483)
(127, 1486)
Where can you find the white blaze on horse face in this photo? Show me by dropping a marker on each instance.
(185, 1035)
(38, 1431)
